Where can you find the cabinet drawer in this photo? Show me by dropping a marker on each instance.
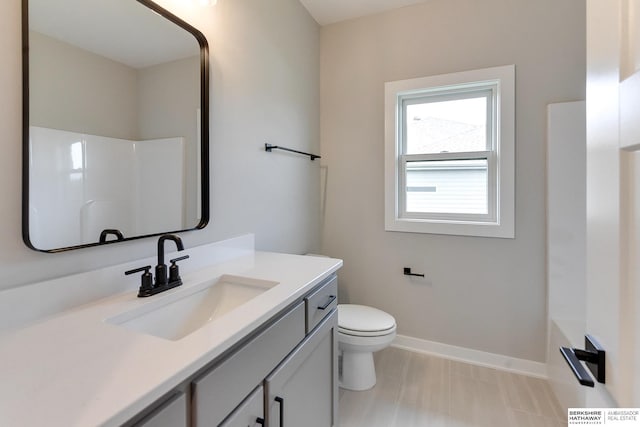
(219, 391)
(172, 414)
(321, 302)
(250, 413)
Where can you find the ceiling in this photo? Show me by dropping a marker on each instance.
(330, 11)
(90, 18)
(124, 31)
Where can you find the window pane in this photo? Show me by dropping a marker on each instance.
(447, 186)
(437, 126)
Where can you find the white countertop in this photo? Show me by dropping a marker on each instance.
(73, 369)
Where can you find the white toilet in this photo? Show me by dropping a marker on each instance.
(362, 330)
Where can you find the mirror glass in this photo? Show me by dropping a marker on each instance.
(115, 143)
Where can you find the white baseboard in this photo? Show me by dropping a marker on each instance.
(474, 357)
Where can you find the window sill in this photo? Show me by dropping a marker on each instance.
(456, 228)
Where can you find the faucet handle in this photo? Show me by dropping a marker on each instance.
(174, 273)
(146, 280)
(173, 261)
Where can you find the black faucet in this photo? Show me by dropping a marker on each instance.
(161, 268)
(162, 282)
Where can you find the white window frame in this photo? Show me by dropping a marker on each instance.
(499, 221)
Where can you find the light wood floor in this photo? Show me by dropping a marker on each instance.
(416, 390)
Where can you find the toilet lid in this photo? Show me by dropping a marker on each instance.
(361, 318)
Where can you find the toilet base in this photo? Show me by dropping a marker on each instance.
(358, 371)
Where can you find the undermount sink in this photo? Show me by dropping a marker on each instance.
(176, 316)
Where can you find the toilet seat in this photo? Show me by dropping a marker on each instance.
(364, 321)
(365, 333)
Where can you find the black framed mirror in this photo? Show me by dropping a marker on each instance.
(115, 123)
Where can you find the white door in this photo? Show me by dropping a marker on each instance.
(613, 198)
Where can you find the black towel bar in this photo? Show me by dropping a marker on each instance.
(268, 147)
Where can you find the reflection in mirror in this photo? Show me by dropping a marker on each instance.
(115, 123)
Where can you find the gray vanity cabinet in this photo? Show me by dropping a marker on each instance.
(302, 391)
(288, 367)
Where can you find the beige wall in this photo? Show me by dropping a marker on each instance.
(479, 293)
(265, 77)
(91, 94)
(168, 101)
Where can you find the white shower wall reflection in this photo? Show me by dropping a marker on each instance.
(83, 184)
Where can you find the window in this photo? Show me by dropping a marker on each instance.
(449, 154)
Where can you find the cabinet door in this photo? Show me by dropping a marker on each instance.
(250, 413)
(302, 391)
(171, 414)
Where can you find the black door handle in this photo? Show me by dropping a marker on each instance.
(280, 400)
(593, 355)
(578, 370)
